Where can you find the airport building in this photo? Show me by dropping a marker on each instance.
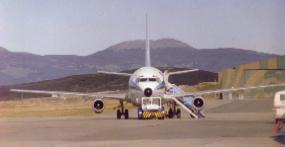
(271, 71)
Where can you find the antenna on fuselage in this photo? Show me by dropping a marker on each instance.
(147, 49)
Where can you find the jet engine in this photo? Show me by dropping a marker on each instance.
(98, 105)
(198, 102)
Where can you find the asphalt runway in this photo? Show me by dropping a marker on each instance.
(228, 123)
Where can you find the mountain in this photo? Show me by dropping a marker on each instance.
(25, 67)
(101, 82)
(18, 67)
(2, 49)
(173, 53)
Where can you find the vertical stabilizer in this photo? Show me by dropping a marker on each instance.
(147, 49)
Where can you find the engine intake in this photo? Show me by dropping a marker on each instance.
(98, 105)
(198, 102)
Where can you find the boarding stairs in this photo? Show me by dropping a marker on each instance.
(194, 112)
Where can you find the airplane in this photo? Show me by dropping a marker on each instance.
(149, 81)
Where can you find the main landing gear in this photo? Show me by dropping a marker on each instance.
(122, 111)
(173, 111)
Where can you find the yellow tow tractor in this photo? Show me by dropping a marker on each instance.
(151, 107)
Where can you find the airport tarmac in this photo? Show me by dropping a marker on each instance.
(228, 123)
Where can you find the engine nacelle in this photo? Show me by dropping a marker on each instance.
(98, 105)
(198, 102)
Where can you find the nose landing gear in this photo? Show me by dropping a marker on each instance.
(122, 111)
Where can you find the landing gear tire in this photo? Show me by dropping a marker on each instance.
(161, 118)
(170, 113)
(122, 111)
(126, 114)
(119, 114)
(178, 113)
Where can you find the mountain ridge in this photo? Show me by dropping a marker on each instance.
(19, 67)
(154, 44)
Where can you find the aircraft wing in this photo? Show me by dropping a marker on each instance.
(114, 73)
(226, 90)
(182, 72)
(111, 95)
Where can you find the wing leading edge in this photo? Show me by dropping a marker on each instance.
(119, 96)
(115, 73)
(199, 93)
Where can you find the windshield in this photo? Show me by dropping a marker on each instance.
(146, 101)
(156, 101)
(152, 79)
(143, 79)
(147, 79)
(282, 97)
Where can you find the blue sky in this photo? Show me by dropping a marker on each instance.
(82, 27)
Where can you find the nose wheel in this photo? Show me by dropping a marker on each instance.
(122, 111)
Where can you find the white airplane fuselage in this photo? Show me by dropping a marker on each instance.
(145, 82)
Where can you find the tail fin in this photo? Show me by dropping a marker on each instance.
(147, 49)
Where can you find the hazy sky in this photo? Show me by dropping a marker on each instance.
(83, 27)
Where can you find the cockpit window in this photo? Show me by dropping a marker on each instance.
(143, 79)
(148, 79)
(152, 79)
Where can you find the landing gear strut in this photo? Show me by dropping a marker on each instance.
(178, 113)
(122, 111)
(140, 113)
(173, 111)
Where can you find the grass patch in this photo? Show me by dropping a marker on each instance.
(52, 107)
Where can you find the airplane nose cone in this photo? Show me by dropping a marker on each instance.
(147, 92)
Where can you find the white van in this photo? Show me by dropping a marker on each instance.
(279, 105)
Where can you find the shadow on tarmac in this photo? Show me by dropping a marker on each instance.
(280, 138)
(130, 118)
